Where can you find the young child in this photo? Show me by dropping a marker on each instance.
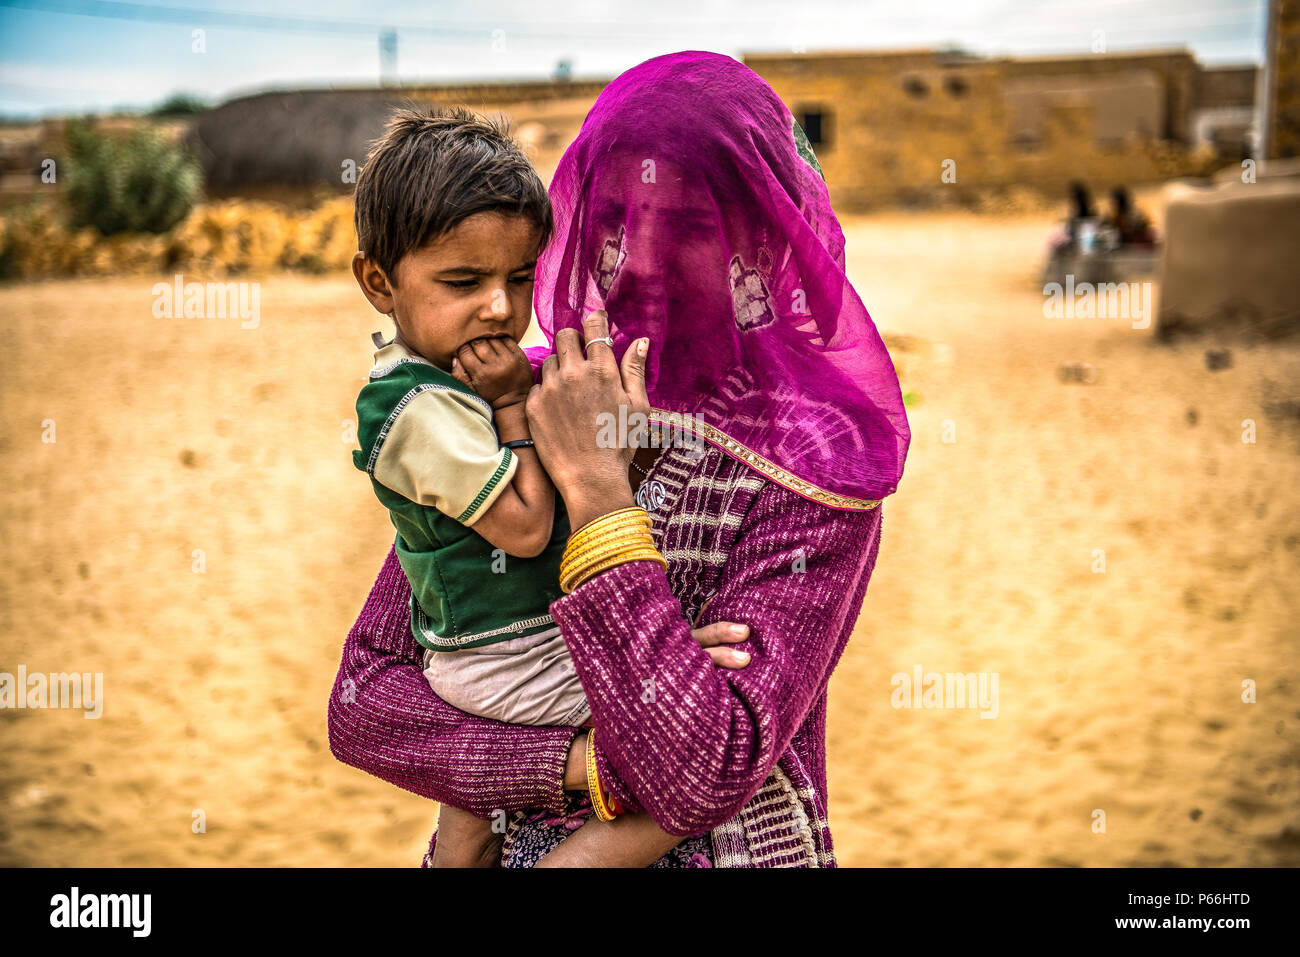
(450, 218)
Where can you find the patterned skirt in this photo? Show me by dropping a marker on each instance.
(531, 834)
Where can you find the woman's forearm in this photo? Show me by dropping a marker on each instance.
(684, 741)
(386, 720)
(597, 496)
(575, 770)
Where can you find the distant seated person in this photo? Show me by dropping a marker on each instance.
(1129, 224)
(1081, 226)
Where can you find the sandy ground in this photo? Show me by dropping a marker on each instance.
(1119, 691)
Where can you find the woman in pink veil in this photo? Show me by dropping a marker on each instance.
(690, 212)
(693, 211)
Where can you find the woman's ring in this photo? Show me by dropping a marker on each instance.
(608, 340)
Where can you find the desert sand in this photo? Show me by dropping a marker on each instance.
(1119, 691)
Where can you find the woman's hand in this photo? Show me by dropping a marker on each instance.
(714, 639)
(575, 411)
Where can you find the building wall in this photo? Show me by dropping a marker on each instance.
(1223, 114)
(896, 122)
(1120, 104)
(1177, 71)
(302, 138)
(1037, 122)
(896, 118)
(1226, 87)
(1283, 80)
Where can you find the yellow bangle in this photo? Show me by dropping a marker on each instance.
(612, 539)
(578, 565)
(585, 537)
(588, 542)
(631, 511)
(632, 515)
(598, 803)
(603, 549)
(571, 579)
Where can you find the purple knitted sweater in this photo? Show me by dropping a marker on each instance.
(737, 754)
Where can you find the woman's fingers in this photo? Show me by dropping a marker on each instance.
(714, 639)
(596, 326)
(720, 633)
(550, 365)
(728, 657)
(568, 347)
(633, 372)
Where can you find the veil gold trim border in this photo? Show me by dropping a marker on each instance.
(758, 463)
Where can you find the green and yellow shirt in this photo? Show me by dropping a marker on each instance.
(431, 450)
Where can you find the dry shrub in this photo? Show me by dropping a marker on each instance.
(228, 238)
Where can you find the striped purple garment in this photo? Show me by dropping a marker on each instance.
(734, 755)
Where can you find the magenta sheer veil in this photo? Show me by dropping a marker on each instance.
(692, 209)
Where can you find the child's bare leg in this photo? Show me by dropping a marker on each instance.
(465, 840)
(630, 840)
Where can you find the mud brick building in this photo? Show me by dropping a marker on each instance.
(885, 125)
(1281, 94)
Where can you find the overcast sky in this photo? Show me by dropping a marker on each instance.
(76, 55)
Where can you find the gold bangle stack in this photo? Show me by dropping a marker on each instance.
(613, 539)
(598, 802)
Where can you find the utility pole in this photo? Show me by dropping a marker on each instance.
(388, 57)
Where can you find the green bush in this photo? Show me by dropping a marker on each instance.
(179, 104)
(142, 183)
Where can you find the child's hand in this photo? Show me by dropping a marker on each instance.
(496, 369)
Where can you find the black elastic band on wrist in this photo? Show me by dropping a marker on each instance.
(518, 444)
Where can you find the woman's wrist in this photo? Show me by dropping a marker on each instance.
(602, 802)
(575, 767)
(595, 497)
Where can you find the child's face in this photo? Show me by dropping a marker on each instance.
(475, 281)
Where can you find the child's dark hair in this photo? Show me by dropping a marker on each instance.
(432, 169)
